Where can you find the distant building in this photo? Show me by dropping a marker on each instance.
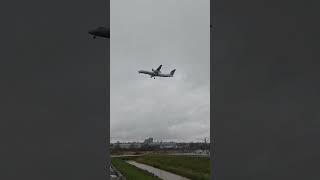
(170, 145)
(129, 145)
(124, 145)
(135, 145)
(202, 152)
(148, 141)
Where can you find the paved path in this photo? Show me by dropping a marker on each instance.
(165, 175)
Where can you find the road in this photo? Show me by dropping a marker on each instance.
(165, 175)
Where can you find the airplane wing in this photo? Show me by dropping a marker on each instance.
(158, 69)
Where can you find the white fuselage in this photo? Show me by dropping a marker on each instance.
(155, 73)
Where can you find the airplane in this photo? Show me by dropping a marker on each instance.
(101, 32)
(157, 72)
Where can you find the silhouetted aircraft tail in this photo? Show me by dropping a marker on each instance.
(172, 72)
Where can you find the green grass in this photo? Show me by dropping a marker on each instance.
(193, 167)
(131, 172)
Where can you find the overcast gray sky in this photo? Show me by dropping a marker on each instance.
(145, 34)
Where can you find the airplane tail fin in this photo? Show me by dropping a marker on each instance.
(172, 72)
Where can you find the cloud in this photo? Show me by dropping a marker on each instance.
(175, 108)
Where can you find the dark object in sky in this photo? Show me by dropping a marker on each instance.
(101, 32)
(157, 72)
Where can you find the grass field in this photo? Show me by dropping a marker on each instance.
(193, 167)
(130, 172)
